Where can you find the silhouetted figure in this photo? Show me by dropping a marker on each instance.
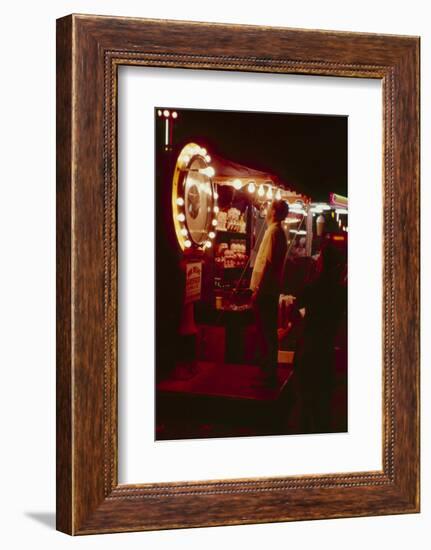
(325, 303)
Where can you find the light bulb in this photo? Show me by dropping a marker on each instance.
(184, 232)
(180, 201)
(214, 222)
(211, 235)
(261, 191)
(216, 209)
(251, 187)
(207, 158)
(159, 112)
(181, 217)
(237, 184)
(215, 195)
(269, 194)
(166, 113)
(208, 171)
(208, 244)
(174, 114)
(278, 195)
(187, 243)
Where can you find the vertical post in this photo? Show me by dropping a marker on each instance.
(309, 238)
(167, 133)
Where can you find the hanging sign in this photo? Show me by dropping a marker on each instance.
(338, 200)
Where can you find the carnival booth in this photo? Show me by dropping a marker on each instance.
(219, 209)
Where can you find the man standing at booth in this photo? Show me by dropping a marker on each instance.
(266, 281)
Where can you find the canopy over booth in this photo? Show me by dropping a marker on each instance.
(238, 175)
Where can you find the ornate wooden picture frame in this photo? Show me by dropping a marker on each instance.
(89, 51)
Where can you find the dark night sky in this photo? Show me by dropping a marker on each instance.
(307, 152)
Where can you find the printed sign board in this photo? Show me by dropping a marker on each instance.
(193, 282)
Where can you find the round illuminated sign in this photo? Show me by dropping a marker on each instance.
(193, 198)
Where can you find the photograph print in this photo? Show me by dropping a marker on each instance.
(251, 243)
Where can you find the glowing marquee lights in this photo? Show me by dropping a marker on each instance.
(185, 160)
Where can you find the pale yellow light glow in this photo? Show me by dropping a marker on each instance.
(251, 187)
(184, 158)
(208, 171)
(261, 191)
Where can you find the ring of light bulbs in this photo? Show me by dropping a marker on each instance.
(184, 161)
